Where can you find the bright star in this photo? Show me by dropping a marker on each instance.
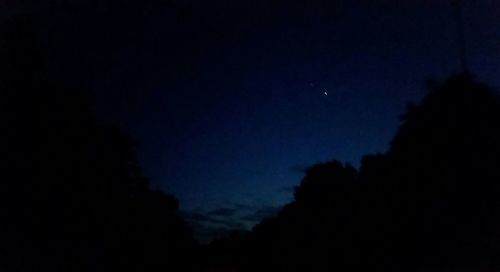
(326, 93)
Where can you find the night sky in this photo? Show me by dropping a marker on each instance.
(231, 100)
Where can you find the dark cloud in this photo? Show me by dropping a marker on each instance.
(214, 218)
(220, 222)
(194, 216)
(244, 207)
(215, 224)
(206, 234)
(261, 213)
(223, 212)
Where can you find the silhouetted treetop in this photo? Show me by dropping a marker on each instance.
(72, 194)
(430, 202)
(325, 178)
(455, 111)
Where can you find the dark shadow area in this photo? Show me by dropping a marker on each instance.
(72, 196)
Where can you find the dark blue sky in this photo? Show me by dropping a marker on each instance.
(227, 97)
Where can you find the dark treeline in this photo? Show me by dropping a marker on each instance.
(430, 203)
(72, 196)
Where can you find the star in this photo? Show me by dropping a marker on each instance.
(326, 93)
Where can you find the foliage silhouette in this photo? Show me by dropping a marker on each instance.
(72, 195)
(429, 203)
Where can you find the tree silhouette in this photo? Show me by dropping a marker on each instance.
(443, 175)
(72, 195)
(429, 203)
